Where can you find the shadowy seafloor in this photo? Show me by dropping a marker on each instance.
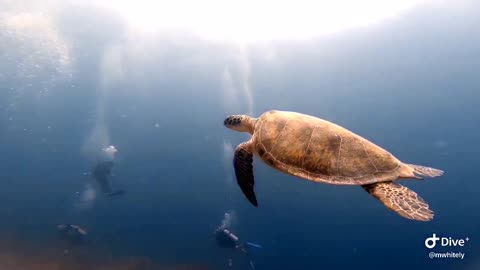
(14, 256)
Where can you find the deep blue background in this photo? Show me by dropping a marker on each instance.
(410, 84)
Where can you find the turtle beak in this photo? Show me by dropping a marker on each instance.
(225, 122)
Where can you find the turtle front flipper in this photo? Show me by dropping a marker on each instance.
(243, 164)
(401, 200)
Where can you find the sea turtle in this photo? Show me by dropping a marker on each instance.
(320, 151)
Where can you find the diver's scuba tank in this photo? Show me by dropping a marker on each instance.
(231, 235)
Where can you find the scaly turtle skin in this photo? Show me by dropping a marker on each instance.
(321, 151)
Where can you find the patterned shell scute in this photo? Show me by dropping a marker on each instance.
(308, 147)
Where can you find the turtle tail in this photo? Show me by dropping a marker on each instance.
(422, 171)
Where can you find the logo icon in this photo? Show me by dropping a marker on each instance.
(431, 242)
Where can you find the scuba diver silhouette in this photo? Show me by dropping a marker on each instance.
(103, 169)
(227, 239)
(72, 235)
(101, 172)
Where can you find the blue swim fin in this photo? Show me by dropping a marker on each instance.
(249, 244)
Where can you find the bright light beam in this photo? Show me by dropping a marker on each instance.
(248, 21)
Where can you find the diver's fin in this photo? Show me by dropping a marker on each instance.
(250, 244)
(243, 164)
(401, 200)
(422, 171)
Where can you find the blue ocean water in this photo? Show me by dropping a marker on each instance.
(81, 80)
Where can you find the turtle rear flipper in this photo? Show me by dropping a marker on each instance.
(422, 171)
(401, 200)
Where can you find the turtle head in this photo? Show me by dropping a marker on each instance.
(240, 123)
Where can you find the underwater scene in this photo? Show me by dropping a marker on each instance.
(174, 135)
